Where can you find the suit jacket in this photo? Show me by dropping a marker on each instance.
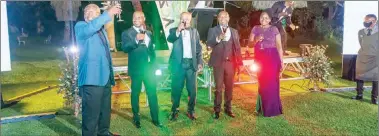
(276, 9)
(366, 63)
(138, 54)
(94, 66)
(176, 56)
(219, 49)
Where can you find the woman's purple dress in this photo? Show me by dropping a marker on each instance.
(267, 58)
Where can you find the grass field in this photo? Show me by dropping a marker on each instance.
(305, 113)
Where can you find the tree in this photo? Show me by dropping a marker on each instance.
(66, 11)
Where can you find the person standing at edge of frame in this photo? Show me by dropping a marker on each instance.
(95, 77)
(366, 63)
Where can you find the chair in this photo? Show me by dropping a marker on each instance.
(48, 40)
(20, 40)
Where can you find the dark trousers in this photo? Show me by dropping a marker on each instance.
(224, 75)
(96, 109)
(374, 92)
(149, 80)
(185, 73)
(283, 36)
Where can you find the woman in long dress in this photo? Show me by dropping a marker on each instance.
(268, 56)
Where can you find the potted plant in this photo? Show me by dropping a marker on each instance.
(318, 67)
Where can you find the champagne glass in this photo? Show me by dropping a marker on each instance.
(260, 40)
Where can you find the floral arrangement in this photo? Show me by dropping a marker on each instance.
(68, 82)
(318, 66)
(206, 52)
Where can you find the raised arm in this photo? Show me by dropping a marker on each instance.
(172, 36)
(128, 43)
(85, 30)
(211, 39)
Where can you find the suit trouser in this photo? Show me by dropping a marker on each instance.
(283, 36)
(96, 109)
(224, 75)
(374, 92)
(149, 80)
(185, 73)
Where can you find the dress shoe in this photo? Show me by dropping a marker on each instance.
(217, 115)
(174, 116)
(374, 101)
(137, 124)
(230, 114)
(109, 134)
(191, 116)
(357, 97)
(157, 124)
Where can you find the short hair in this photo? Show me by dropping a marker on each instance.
(371, 16)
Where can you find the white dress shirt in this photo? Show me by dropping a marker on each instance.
(186, 38)
(147, 38)
(228, 34)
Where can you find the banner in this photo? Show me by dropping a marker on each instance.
(169, 12)
(5, 55)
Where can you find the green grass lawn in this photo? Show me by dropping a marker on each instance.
(305, 113)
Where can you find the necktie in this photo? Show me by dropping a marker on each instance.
(105, 44)
(369, 32)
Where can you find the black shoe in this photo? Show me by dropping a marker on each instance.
(217, 115)
(357, 97)
(191, 116)
(174, 116)
(374, 101)
(230, 114)
(137, 124)
(157, 124)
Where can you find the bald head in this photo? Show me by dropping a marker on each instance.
(223, 18)
(138, 18)
(186, 17)
(91, 11)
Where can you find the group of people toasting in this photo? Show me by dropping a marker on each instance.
(96, 73)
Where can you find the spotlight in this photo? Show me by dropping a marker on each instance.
(254, 67)
(158, 72)
(74, 49)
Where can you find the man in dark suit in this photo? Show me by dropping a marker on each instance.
(185, 60)
(95, 77)
(225, 58)
(137, 42)
(282, 12)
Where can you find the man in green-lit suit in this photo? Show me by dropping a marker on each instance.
(137, 42)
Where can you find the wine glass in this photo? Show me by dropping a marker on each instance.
(260, 40)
